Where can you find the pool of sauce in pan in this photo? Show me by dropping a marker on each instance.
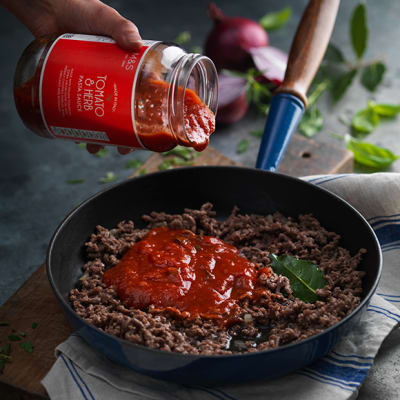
(185, 273)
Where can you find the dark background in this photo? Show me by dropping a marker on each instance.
(34, 195)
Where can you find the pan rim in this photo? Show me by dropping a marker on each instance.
(124, 342)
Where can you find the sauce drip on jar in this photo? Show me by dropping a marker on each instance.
(183, 272)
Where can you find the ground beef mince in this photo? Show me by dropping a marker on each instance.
(262, 323)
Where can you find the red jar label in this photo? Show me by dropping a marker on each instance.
(87, 90)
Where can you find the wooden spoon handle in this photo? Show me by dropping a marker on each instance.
(308, 47)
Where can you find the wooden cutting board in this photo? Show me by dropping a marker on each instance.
(34, 302)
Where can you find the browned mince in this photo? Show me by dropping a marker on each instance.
(261, 325)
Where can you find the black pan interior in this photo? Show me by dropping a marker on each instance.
(253, 191)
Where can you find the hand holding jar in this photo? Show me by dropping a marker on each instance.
(124, 92)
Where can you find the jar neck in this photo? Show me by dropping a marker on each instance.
(196, 73)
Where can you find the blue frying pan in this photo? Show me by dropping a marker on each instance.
(255, 192)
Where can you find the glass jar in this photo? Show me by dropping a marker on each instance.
(85, 88)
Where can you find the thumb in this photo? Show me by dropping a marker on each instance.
(106, 20)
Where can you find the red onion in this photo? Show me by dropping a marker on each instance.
(232, 103)
(229, 41)
(271, 62)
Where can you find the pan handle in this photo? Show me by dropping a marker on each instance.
(288, 104)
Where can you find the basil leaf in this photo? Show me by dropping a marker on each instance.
(369, 154)
(197, 50)
(275, 20)
(359, 30)
(365, 120)
(27, 346)
(143, 171)
(166, 164)
(242, 146)
(110, 177)
(372, 75)
(387, 110)
(312, 122)
(334, 54)
(257, 133)
(341, 84)
(134, 164)
(183, 38)
(304, 276)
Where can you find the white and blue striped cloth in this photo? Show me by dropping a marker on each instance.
(81, 373)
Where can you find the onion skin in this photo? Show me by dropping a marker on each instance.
(230, 39)
(232, 112)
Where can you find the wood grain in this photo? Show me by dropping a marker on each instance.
(308, 46)
(303, 157)
(35, 302)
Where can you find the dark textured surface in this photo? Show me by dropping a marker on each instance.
(34, 196)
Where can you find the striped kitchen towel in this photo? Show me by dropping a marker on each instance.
(81, 373)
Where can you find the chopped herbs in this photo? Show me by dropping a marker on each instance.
(2, 323)
(110, 177)
(75, 181)
(197, 50)
(166, 164)
(101, 153)
(183, 38)
(27, 346)
(14, 338)
(312, 122)
(257, 133)
(134, 164)
(5, 349)
(177, 157)
(186, 153)
(82, 145)
(143, 171)
(242, 146)
(275, 20)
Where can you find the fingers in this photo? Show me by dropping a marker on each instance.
(93, 148)
(107, 21)
(124, 150)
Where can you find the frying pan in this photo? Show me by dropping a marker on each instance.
(253, 191)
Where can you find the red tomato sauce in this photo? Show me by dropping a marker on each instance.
(154, 131)
(180, 271)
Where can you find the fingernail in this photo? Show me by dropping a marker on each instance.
(133, 41)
